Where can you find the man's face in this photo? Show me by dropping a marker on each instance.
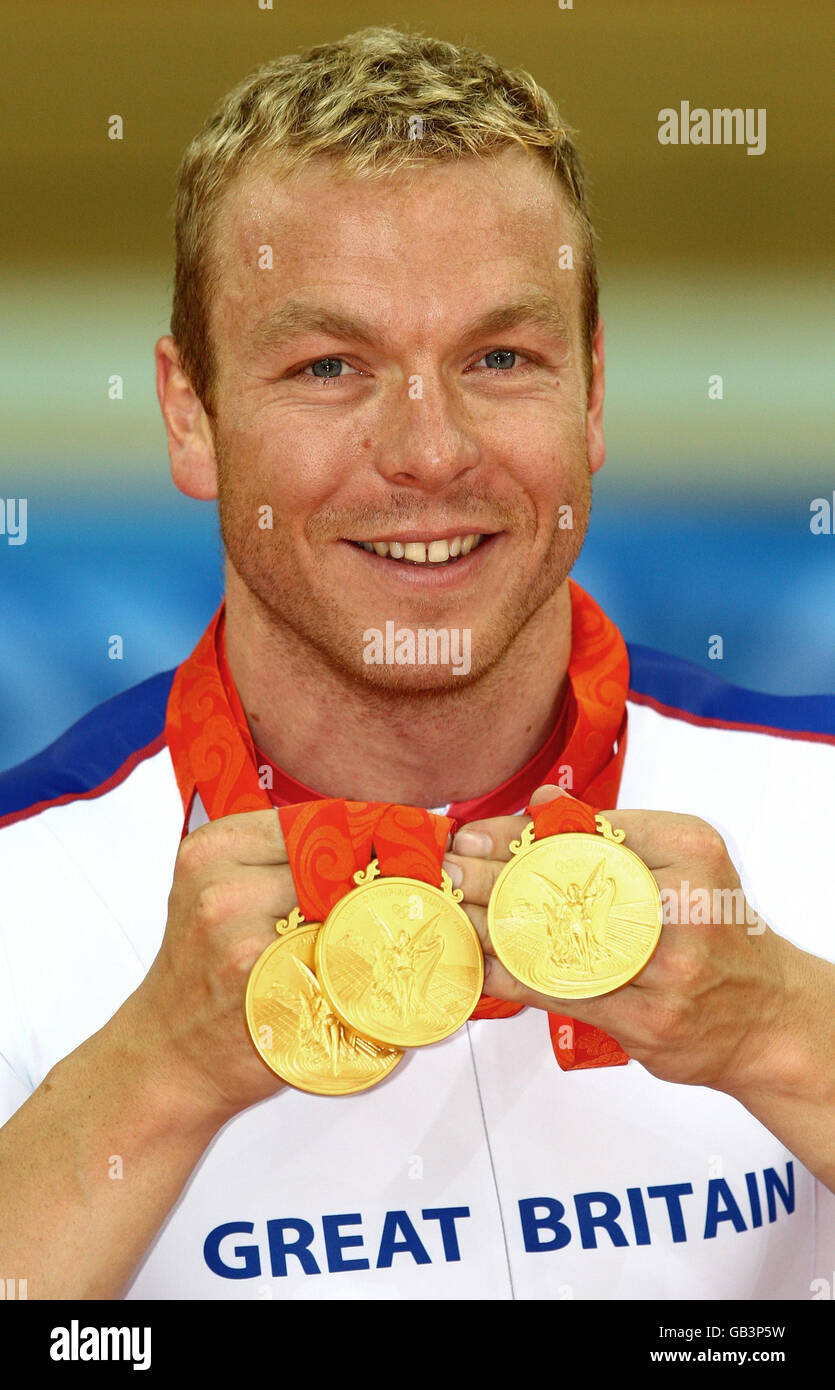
(384, 384)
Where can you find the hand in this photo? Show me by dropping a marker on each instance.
(709, 1008)
(231, 883)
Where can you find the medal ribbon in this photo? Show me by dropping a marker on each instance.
(327, 841)
(320, 853)
(214, 755)
(576, 1044)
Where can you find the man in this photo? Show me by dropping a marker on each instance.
(387, 364)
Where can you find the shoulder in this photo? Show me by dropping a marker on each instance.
(759, 768)
(89, 839)
(683, 692)
(93, 757)
(735, 757)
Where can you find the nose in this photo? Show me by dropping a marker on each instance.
(425, 440)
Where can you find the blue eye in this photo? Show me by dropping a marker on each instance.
(500, 359)
(327, 367)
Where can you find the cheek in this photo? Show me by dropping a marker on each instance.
(543, 445)
(292, 471)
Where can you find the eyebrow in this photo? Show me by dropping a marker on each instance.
(278, 328)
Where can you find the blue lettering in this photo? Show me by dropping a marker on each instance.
(639, 1216)
(587, 1221)
(672, 1192)
(773, 1184)
(716, 1188)
(389, 1247)
(446, 1216)
(251, 1266)
(335, 1240)
(280, 1248)
(552, 1220)
(754, 1199)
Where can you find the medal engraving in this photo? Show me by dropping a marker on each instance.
(400, 960)
(294, 1026)
(574, 915)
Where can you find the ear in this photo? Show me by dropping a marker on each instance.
(190, 444)
(595, 443)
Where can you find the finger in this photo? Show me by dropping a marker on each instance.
(475, 877)
(660, 838)
(226, 895)
(605, 1012)
(249, 837)
(613, 1011)
(478, 916)
(664, 839)
(547, 792)
(489, 839)
(492, 837)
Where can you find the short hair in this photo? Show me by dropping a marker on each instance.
(357, 100)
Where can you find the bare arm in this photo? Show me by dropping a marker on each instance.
(146, 1094)
(795, 1094)
(70, 1228)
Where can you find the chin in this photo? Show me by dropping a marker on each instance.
(416, 681)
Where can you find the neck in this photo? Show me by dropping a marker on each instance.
(420, 750)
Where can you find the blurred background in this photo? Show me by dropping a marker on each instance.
(712, 262)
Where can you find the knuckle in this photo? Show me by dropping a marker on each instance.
(241, 956)
(193, 850)
(211, 904)
(683, 966)
(699, 841)
(715, 850)
(705, 843)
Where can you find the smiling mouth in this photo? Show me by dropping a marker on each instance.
(426, 552)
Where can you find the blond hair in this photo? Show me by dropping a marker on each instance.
(357, 100)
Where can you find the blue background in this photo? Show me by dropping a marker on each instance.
(148, 567)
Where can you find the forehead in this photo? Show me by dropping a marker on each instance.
(430, 238)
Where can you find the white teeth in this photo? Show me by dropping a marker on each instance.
(423, 552)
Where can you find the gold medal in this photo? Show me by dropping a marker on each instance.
(293, 1025)
(574, 915)
(400, 960)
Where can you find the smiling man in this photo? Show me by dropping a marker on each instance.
(409, 390)
(386, 363)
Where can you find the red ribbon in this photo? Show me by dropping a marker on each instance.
(576, 1044)
(213, 754)
(328, 840)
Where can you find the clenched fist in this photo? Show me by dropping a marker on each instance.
(711, 1006)
(231, 883)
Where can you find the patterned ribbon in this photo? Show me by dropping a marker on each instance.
(214, 755)
(327, 841)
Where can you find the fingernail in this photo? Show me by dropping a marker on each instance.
(472, 842)
(455, 872)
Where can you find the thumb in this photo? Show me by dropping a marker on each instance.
(546, 793)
